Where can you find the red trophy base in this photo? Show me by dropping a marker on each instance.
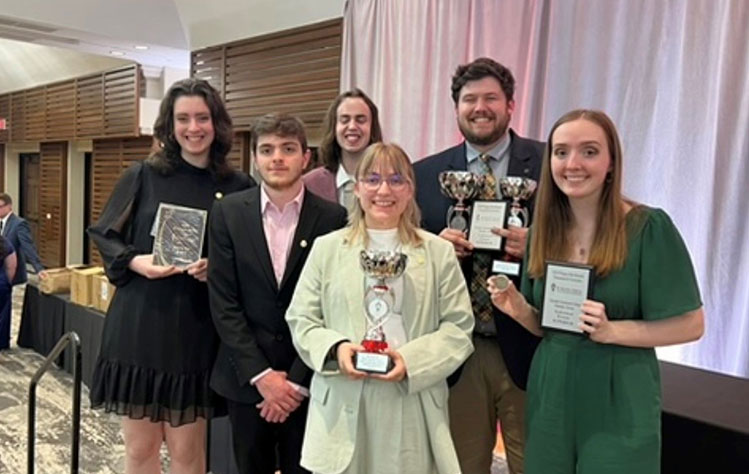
(372, 360)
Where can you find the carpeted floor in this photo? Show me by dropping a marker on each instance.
(102, 449)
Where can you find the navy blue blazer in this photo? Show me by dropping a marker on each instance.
(18, 232)
(516, 343)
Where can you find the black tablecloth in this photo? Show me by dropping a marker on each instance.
(42, 320)
(88, 323)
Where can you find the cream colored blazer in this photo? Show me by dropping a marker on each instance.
(328, 306)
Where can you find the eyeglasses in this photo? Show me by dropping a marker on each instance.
(372, 182)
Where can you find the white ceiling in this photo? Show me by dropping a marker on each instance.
(73, 30)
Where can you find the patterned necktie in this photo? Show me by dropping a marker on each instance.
(482, 302)
(490, 182)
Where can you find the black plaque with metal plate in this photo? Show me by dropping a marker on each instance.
(178, 235)
(566, 287)
(485, 216)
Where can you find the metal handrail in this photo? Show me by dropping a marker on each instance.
(74, 341)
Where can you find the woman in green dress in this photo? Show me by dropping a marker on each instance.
(594, 397)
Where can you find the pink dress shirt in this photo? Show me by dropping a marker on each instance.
(279, 226)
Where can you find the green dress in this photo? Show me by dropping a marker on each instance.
(596, 408)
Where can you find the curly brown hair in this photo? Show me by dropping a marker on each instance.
(168, 154)
(478, 69)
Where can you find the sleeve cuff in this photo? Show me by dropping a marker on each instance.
(262, 374)
(299, 388)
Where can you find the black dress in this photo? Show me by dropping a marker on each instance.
(159, 342)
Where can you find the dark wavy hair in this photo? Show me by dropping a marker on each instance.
(329, 150)
(478, 69)
(167, 155)
(283, 125)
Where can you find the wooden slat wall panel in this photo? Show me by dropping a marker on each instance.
(53, 203)
(35, 114)
(94, 106)
(239, 156)
(5, 114)
(295, 71)
(60, 108)
(89, 97)
(17, 116)
(121, 93)
(108, 160)
(208, 64)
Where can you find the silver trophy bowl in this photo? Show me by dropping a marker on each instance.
(461, 186)
(518, 189)
(383, 264)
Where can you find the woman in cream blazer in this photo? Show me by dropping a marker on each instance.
(397, 422)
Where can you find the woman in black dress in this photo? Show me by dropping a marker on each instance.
(159, 342)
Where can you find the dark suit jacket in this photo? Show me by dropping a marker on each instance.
(17, 231)
(516, 343)
(247, 304)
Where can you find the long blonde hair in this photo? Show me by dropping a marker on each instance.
(552, 218)
(378, 156)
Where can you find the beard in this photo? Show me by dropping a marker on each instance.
(484, 139)
(280, 183)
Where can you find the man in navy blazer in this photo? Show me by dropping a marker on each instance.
(16, 230)
(494, 377)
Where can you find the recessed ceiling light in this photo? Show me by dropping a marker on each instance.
(141, 47)
(116, 53)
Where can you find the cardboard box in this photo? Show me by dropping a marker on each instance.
(57, 281)
(81, 285)
(103, 292)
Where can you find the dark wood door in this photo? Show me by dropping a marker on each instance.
(28, 201)
(53, 192)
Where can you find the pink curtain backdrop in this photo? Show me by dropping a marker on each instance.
(673, 75)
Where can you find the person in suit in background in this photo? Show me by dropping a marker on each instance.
(395, 422)
(258, 243)
(7, 272)
(18, 233)
(494, 377)
(351, 124)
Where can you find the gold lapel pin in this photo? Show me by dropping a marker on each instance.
(303, 243)
(219, 195)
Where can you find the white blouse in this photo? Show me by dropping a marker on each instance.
(395, 331)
